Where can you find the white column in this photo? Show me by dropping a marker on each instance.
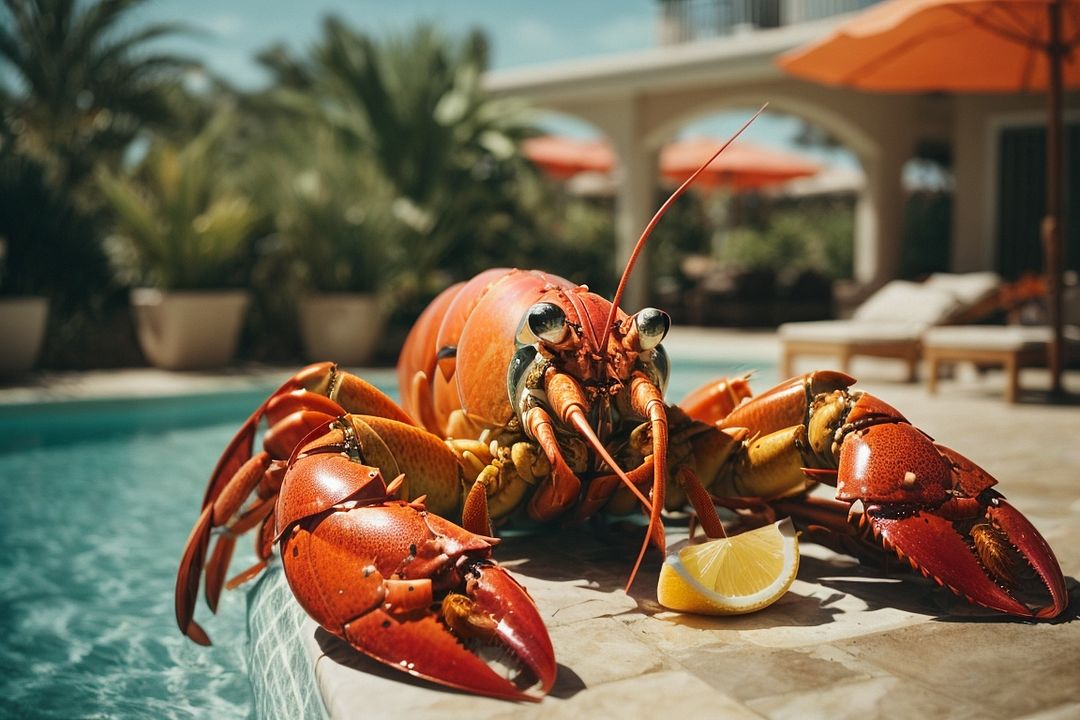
(879, 216)
(635, 200)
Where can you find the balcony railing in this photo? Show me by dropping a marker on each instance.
(688, 20)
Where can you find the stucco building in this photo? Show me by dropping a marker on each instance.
(716, 55)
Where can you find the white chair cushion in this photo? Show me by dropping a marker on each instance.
(851, 331)
(905, 301)
(987, 337)
(968, 288)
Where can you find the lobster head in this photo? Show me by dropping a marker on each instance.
(581, 373)
(567, 356)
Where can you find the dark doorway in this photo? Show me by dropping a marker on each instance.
(1022, 199)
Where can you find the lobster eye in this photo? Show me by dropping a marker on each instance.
(547, 322)
(652, 325)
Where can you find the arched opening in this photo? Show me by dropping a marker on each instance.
(768, 242)
(858, 194)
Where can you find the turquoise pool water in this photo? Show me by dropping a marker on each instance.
(98, 499)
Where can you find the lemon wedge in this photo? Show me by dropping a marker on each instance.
(733, 575)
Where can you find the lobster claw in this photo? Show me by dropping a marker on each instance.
(401, 584)
(1018, 530)
(935, 508)
(1000, 561)
(494, 612)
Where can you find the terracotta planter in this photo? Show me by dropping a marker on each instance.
(342, 327)
(22, 326)
(188, 330)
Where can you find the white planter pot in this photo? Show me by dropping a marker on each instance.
(22, 327)
(342, 327)
(188, 330)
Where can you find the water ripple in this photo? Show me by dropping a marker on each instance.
(92, 533)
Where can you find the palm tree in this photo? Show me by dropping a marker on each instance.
(75, 86)
(416, 105)
(332, 208)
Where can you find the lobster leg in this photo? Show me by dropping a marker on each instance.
(264, 548)
(702, 502)
(475, 516)
(715, 400)
(215, 514)
(226, 506)
(313, 378)
(768, 467)
(608, 492)
(503, 476)
(304, 402)
(187, 577)
(552, 497)
(834, 524)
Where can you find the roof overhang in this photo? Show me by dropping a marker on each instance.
(737, 58)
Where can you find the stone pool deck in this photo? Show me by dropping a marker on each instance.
(848, 641)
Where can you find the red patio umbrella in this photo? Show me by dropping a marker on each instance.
(563, 157)
(740, 167)
(966, 46)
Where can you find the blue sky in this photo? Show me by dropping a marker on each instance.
(521, 34)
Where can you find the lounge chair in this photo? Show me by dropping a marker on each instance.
(891, 322)
(1010, 346)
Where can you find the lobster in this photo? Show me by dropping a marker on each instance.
(523, 398)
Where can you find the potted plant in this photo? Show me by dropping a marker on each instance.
(22, 324)
(181, 235)
(23, 306)
(335, 216)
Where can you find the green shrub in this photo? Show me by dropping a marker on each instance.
(179, 226)
(335, 213)
(48, 246)
(793, 241)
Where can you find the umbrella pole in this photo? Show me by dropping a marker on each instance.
(1052, 232)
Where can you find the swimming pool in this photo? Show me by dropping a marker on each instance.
(98, 499)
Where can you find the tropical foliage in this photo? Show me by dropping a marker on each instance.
(77, 84)
(795, 240)
(413, 103)
(374, 164)
(334, 210)
(180, 225)
(47, 244)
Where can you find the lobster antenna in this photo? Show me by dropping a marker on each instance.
(656, 219)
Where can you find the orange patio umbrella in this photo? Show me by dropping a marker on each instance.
(563, 157)
(743, 166)
(740, 167)
(965, 46)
